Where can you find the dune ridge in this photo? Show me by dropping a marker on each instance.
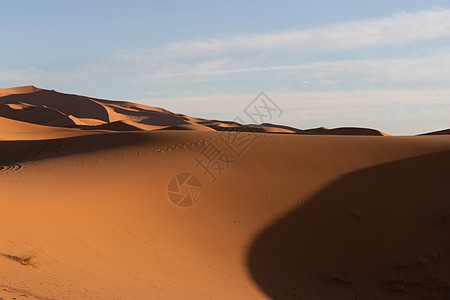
(44, 107)
(19, 90)
(87, 189)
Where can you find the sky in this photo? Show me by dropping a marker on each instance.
(376, 64)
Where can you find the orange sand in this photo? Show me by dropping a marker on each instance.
(322, 214)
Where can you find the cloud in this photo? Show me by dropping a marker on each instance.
(419, 71)
(284, 56)
(318, 75)
(398, 29)
(392, 111)
(27, 75)
(320, 52)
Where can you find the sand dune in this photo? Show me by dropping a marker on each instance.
(44, 107)
(89, 207)
(18, 130)
(19, 90)
(63, 110)
(440, 132)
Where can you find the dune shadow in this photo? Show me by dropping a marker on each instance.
(378, 233)
(13, 152)
(48, 107)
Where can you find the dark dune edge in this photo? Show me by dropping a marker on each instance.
(289, 217)
(44, 107)
(360, 235)
(440, 132)
(24, 151)
(52, 108)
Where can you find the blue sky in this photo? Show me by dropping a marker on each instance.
(383, 65)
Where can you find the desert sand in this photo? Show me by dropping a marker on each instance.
(92, 207)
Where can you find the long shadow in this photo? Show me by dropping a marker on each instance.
(379, 233)
(51, 105)
(22, 151)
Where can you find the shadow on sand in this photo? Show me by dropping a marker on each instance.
(22, 151)
(379, 233)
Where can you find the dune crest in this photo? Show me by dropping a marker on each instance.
(19, 90)
(109, 199)
(52, 108)
(440, 132)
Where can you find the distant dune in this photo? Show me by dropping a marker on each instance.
(37, 106)
(115, 200)
(19, 90)
(440, 132)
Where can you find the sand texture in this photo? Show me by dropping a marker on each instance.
(108, 199)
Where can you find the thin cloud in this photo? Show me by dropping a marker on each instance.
(398, 29)
(393, 111)
(212, 60)
(414, 70)
(198, 60)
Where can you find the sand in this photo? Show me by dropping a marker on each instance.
(90, 207)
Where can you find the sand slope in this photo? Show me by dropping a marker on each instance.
(86, 214)
(19, 90)
(440, 132)
(38, 106)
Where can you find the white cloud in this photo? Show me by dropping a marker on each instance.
(327, 82)
(398, 29)
(392, 111)
(213, 60)
(348, 73)
(341, 89)
(198, 60)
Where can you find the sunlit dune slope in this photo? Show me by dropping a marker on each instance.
(115, 200)
(38, 106)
